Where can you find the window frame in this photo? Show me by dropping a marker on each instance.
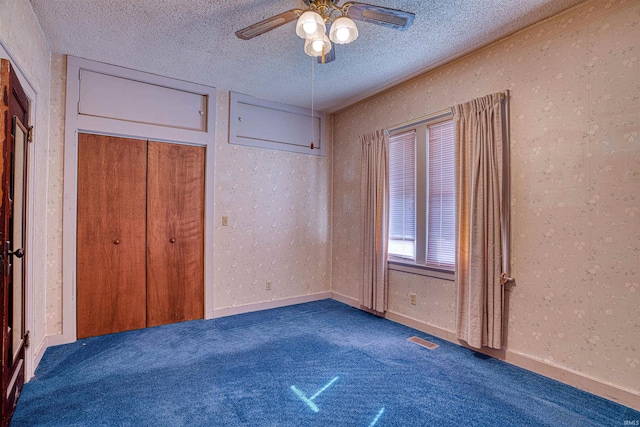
(420, 127)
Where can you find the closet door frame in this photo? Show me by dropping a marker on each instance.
(83, 123)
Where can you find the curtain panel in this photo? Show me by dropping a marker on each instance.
(480, 135)
(375, 220)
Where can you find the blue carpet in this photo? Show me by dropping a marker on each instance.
(315, 364)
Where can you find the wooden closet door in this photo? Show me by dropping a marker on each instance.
(111, 274)
(175, 233)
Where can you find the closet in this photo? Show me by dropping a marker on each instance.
(140, 234)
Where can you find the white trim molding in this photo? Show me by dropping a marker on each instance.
(567, 376)
(76, 122)
(353, 302)
(558, 373)
(266, 305)
(421, 270)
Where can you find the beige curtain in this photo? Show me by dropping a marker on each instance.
(375, 220)
(480, 128)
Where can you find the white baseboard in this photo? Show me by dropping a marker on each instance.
(575, 379)
(266, 305)
(353, 302)
(36, 356)
(38, 352)
(60, 339)
(53, 340)
(567, 376)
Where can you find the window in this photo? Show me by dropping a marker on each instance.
(402, 195)
(422, 194)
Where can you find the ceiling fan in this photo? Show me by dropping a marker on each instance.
(325, 16)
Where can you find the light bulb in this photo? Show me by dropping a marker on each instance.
(317, 45)
(343, 30)
(342, 34)
(309, 27)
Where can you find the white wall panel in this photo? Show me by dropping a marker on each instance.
(267, 124)
(119, 98)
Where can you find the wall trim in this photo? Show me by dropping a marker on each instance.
(38, 352)
(567, 376)
(54, 340)
(266, 305)
(48, 341)
(345, 299)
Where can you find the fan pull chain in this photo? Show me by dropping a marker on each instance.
(313, 67)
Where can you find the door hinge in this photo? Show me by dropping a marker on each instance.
(27, 339)
(30, 136)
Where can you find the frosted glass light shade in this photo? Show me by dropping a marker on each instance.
(343, 30)
(310, 25)
(313, 47)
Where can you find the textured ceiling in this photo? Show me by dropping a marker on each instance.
(194, 40)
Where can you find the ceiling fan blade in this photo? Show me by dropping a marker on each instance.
(392, 18)
(268, 24)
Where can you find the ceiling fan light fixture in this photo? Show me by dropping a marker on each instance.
(310, 25)
(325, 22)
(314, 47)
(343, 30)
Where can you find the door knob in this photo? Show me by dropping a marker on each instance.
(116, 242)
(18, 253)
(172, 240)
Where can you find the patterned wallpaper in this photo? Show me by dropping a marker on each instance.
(575, 151)
(54, 200)
(21, 34)
(278, 208)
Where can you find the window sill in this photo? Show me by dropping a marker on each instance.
(409, 267)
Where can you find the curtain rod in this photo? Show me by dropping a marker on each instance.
(428, 117)
(419, 120)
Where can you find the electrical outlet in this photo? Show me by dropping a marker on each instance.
(268, 285)
(412, 297)
(225, 221)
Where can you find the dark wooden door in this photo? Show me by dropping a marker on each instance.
(111, 273)
(14, 119)
(175, 233)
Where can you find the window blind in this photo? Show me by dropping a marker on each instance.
(402, 195)
(441, 220)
